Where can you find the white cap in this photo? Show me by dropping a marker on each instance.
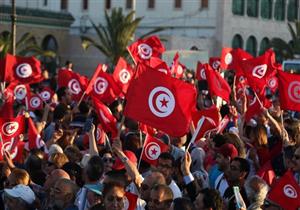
(55, 148)
(23, 192)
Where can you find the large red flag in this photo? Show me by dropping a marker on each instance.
(34, 138)
(143, 49)
(200, 73)
(22, 69)
(12, 127)
(231, 58)
(123, 73)
(20, 91)
(289, 91)
(153, 147)
(286, 192)
(214, 62)
(14, 147)
(73, 81)
(160, 65)
(160, 101)
(217, 85)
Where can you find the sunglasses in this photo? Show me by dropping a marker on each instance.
(108, 160)
(112, 198)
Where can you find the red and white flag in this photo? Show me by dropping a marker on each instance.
(153, 147)
(223, 124)
(289, 91)
(20, 90)
(160, 65)
(231, 58)
(130, 201)
(215, 63)
(46, 94)
(143, 49)
(146, 129)
(200, 73)
(217, 85)
(123, 73)
(286, 192)
(12, 127)
(100, 135)
(177, 68)
(34, 102)
(25, 70)
(6, 110)
(34, 138)
(163, 101)
(14, 147)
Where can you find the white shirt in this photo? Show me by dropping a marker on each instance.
(221, 184)
(175, 189)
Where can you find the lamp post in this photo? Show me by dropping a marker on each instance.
(13, 27)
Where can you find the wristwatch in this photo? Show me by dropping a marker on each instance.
(124, 159)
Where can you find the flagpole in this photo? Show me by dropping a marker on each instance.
(108, 142)
(26, 103)
(140, 159)
(258, 99)
(195, 134)
(131, 56)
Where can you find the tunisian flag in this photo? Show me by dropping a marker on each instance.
(22, 69)
(160, 65)
(123, 73)
(12, 127)
(143, 49)
(231, 58)
(153, 147)
(214, 62)
(286, 192)
(289, 91)
(34, 102)
(217, 85)
(20, 91)
(34, 138)
(200, 73)
(160, 101)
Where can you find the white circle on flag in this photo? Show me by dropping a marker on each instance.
(252, 101)
(290, 191)
(9, 128)
(145, 51)
(202, 73)
(74, 86)
(161, 101)
(126, 203)
(272, 82)
(23, 70)
(259, 71)
(228, 58)
(124, 76)
(100, 85)
(152, 151)
(163, 71)
(179, 70)
(20, 92)
(7, 147)
(216, 64)
(45, 95)
(294, 91)
(35, 102)
(39, 142)
(98, 133)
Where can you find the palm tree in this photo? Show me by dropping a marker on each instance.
(116, 35)
(25, 46)
(291, 49)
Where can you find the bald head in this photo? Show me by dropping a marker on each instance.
(155, 178)
(54, 176)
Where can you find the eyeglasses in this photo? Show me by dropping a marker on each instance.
(108, 160)
(112, 198)
(297, 157)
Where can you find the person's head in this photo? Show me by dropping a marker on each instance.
(34, 161)
(108, 161)
(74, 171)
(224, 155)
(218, 140)
(179, 141)
(63, 193)
(209, 199)
(165, 165)
(161, 197)
(132, 142)
(20, 197)
(151, 180)
(293, 129)
(53, 177)
(56, 161)
(259, 136)
(237, 142)
(182, 204)
(288, 153)
(94, 169)
(18, 176)
(60, 112)
(296, 160)
(256, 189)
(69, 64)
(64, 95)
(73, 153)
(239, 170)
(114, 196)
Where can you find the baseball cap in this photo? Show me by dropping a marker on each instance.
(118, 165)
(23, 192)
(228, 150)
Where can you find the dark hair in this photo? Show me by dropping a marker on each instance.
(74, 170)
(84, 107)
(59, 112)
(244, 165)
(107, 187)
(61, 92)
(167, 192)
(212, 199)
(183, 204)
(219, 140)
(95, 168)
(167, 156)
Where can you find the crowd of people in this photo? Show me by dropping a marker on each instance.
(220, 171)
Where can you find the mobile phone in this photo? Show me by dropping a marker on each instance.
(87, 125)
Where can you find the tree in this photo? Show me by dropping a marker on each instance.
(292, 48)
(25, 46)
(116, 35)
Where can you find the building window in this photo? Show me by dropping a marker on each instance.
(178, 4)
(151, 4)
(252, 8)
(204, 3)
(264, 45)
(251, 45)
(292, 10)
(237, 41)
(85, 4)
(107, 4)
(279, 10)
(129, 4)
(238, 7)
(45, 3)
(64, 4)
(266, 9)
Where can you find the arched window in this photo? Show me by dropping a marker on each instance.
(264, 45)
(251, 45)
(252, 8)
(266, 9)
(292, 13)
(50, 43)
(237, 41)
(279, 12)
(238, 7)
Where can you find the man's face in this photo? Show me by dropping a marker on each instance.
(198, 203)
(61, 195)
(157, 201)
(165, 167)
(221, 161)
(234, 174)
(146, 188)
(296, 161)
